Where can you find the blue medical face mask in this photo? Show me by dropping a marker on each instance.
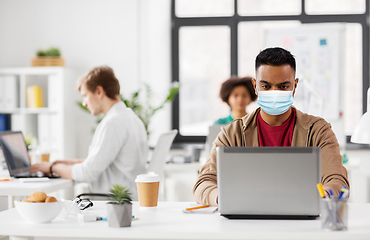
(275, 102)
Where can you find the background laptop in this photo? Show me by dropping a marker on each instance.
(16, 156)
(213, 131)
(268, 182)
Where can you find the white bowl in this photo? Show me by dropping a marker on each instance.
(38, 212)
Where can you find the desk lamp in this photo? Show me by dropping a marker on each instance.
(362, 130)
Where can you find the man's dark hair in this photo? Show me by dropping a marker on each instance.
(100, 76)
(228, 86)
(275, 56)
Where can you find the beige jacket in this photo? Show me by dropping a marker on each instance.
(308, 131)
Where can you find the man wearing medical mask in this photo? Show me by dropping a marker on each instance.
(275, 123)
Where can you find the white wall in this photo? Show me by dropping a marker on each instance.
(131, 36)
(155, 57)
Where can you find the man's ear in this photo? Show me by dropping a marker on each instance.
(100, 91)
(254, 82)
(295, 85)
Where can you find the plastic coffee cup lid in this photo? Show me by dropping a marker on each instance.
(148, 177)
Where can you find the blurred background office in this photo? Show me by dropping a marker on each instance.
(199, 43)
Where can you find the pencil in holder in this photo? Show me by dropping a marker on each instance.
(334, 214)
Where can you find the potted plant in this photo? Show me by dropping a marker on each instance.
(146, 110)
(49, 57)
(30, 141)
(119, 209)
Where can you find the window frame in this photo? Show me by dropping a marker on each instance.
(233, 21)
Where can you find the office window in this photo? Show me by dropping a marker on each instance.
(209, 45)
(204, 54)
(335, 6)
(353, 77)
(269, 7)
(251, 42)
(204, 8)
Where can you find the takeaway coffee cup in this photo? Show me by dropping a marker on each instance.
(44, 157)
(147, 188)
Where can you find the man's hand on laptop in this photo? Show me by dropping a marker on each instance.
(42, 167)
(61, 168)
(45, 166)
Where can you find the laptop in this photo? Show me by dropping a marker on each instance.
(268, 182)
(213, 132)
(16, 156)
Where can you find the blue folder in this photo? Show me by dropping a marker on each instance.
(4, 122)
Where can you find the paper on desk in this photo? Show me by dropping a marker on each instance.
(202, 210)
(30, 180)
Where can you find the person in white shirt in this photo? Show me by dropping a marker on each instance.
(118, 152)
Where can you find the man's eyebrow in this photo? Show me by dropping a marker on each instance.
(286, 82)
(282, 83)
(264, 81)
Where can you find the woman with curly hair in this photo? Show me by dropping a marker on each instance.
(238, 93)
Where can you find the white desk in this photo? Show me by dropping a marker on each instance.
(168, 222)
(16, 188)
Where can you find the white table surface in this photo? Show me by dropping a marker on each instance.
(17, 188)
(168, 222)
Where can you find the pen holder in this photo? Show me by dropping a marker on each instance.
(334, 214)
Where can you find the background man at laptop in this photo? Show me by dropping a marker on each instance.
(118, 152)
(275, 123)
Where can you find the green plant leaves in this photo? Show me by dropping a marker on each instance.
(120, 195)
(41, 53)
(83, 107)
(51, 52)
(146, 111)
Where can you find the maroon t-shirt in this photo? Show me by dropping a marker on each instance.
(276, 136)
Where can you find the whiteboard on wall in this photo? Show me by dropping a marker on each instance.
(319, 53)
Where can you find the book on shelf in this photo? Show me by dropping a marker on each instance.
(34, 97)
(8, 92)
(4, 122)
(16, 122)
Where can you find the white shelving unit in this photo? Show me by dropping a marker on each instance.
(54, 124)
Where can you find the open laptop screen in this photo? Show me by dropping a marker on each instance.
(268, 182)
(15, 152)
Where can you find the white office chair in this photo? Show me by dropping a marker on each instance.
(158, 160)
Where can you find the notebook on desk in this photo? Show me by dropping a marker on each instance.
(16, 156)
(268, 182)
